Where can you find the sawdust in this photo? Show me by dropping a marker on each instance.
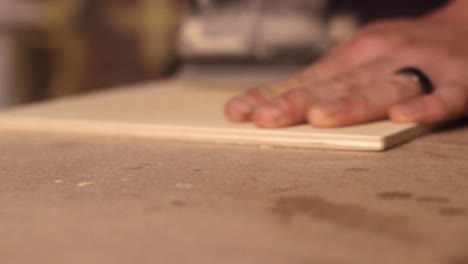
(85, 184)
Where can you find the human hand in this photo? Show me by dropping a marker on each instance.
(356, 82)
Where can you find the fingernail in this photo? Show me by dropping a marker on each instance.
(240, 107)
(332, 109)
(409, 111)
(268, 116)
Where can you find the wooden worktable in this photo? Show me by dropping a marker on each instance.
(101, 200)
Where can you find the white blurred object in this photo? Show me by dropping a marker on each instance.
(254, 29)
(245, 39)
(13, 13)
(342, 26)
(195, 43)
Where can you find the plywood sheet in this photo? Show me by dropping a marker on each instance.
(182, 110)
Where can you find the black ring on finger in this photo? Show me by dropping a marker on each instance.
(419, 77)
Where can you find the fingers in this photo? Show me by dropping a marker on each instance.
(293, 107)
(367, 105)
(242, 107)
(446, 103)
(372, 101)
(289, 109)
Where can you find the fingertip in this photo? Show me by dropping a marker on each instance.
(317, 118)
(396, 116)
(267, 117)
(238, 110)
(405, 113)
(327, 115)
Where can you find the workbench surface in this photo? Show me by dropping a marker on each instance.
(101, 200)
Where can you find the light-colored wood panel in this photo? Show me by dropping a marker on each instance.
(181, 110)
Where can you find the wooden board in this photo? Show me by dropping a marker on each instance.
(181, 110)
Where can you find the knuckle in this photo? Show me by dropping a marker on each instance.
(296, 102)
(357, 101)
(350, 88)
(337, 87)
(294, 95)
(399, 86)
(258, 94)
(402, 87)
(359, 107)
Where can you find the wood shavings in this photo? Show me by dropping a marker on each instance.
(85, 184)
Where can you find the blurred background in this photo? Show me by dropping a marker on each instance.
(53, 48)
